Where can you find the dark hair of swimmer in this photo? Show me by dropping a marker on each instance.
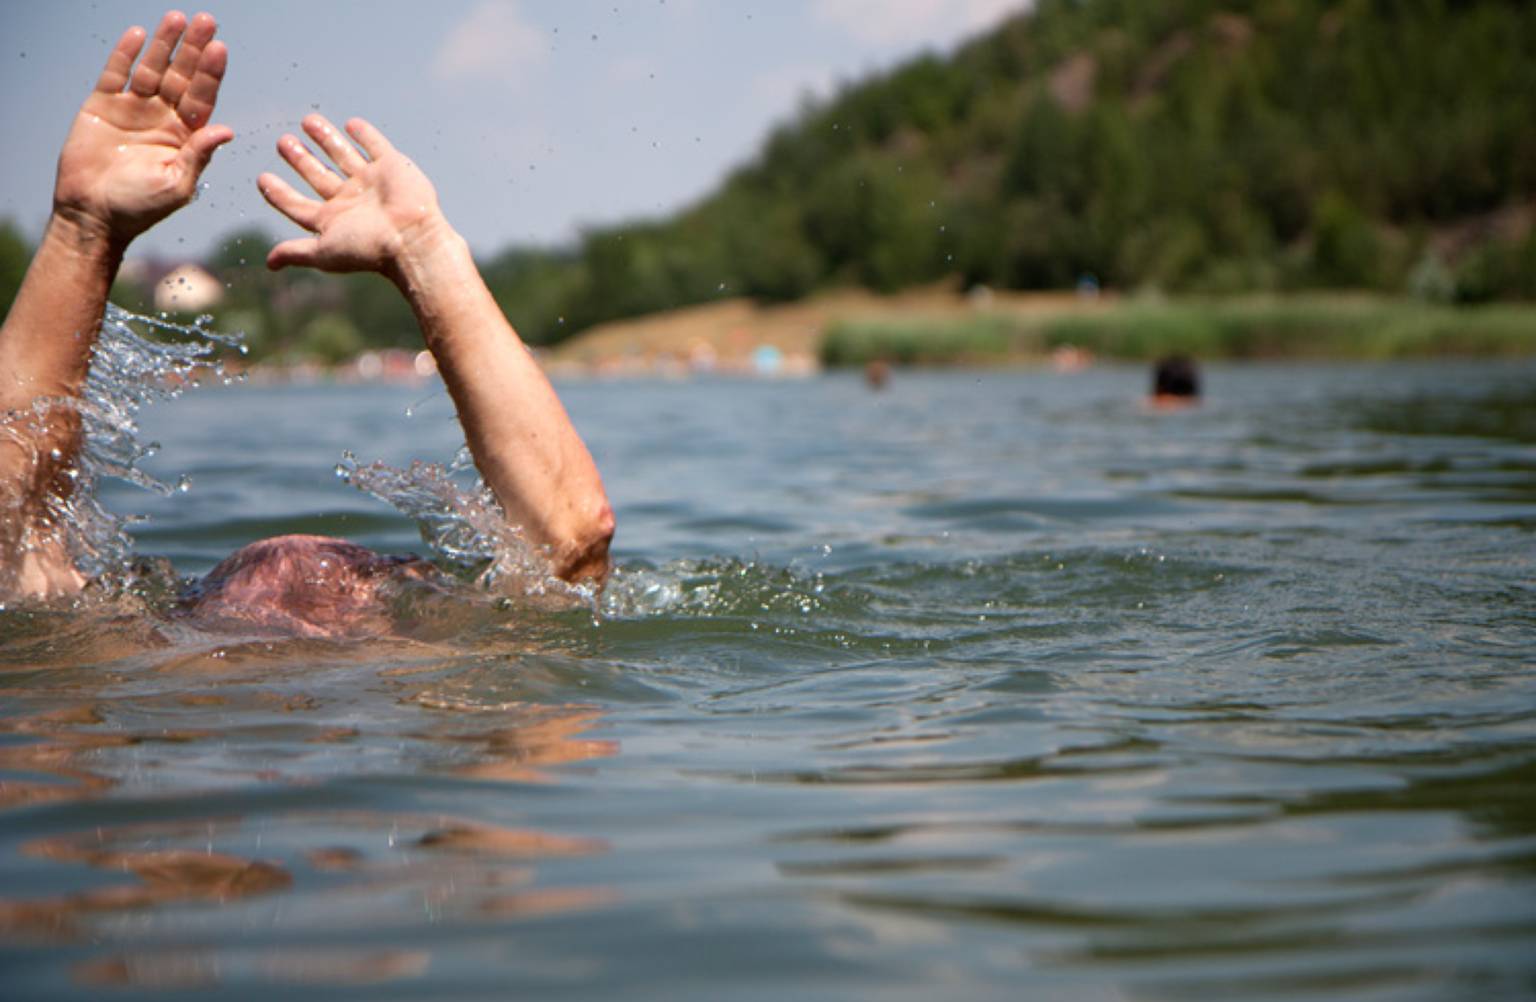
(1176, 376)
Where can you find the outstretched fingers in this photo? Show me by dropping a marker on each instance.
(114, 76)
(282, 197)
(316, 174)
(342, 153)
(173, 86)
(369, 138)
(195, 105)
(157, 58)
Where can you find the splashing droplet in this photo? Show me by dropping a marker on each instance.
(138, 360)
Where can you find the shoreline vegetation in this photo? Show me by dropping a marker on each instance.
(941, 327)
(1312, 327)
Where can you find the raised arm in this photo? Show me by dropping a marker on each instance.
(132, 157)
(378, 212)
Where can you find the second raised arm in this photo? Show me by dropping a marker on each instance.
(376, 211)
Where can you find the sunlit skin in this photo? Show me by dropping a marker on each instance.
(134, 155)
(377, 211)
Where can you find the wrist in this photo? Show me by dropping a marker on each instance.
(424, 249)
(85, 234)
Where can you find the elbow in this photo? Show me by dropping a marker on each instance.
(585, 556)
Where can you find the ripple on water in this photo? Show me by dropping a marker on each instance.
(1240, 748)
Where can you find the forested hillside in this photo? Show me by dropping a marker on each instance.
(1205, 146)
(1191, 145)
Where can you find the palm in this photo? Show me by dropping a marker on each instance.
(134, 156)
(368, 207)
(358, 226)
(123, 160)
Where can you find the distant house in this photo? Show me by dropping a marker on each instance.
(187, 288)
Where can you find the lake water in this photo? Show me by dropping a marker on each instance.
(985, 686)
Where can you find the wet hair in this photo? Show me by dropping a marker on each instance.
(1176, 376)
(308, 586)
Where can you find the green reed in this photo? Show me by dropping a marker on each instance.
(1302, 327)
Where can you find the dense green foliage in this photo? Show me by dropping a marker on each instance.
(1203, 146)
(1192, 146)
(14, 255)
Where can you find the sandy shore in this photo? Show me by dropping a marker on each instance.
(742, 336)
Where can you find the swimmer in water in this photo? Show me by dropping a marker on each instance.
(133, 156)
(1175, 383)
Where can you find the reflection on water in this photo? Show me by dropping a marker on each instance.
(360, 861)
(1507, 414)
(295, 966)
(993, 686)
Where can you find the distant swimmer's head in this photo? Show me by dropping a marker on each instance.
(306, 586)
(1175, 382)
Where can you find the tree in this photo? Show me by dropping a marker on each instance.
(15, 255)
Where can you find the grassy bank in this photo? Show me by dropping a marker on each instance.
(1291, 327)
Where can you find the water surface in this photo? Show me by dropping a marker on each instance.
(995, 685)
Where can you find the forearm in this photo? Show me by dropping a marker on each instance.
(522, 440)
(46, 341)
(45, 349)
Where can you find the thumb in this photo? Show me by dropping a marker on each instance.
(199, 147)
(303, 251)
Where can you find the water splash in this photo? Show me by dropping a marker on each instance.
(720, 587)
(465, 526)
(137, 360)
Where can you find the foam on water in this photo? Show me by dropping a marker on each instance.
(716, 587)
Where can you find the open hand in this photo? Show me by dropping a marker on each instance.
(134, 155)
(371, 208)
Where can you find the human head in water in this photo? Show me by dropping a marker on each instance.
(305, 586)
(1175, 380)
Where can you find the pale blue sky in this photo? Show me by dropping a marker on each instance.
(534, 117)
